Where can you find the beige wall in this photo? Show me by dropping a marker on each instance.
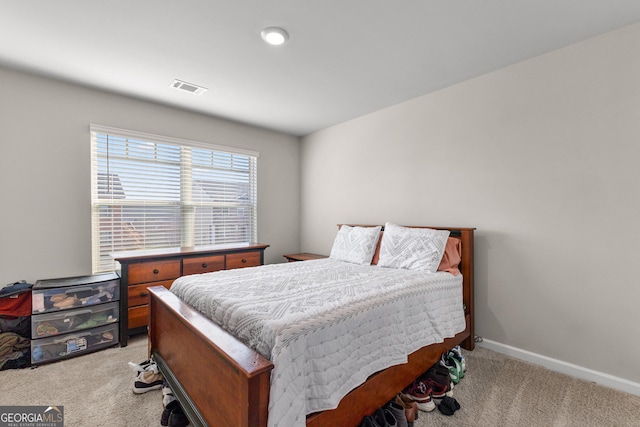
(44, 171)
(542, 157)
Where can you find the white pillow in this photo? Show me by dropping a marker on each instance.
(412, 248)
(355, 244)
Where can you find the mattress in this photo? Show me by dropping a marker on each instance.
(326, 325)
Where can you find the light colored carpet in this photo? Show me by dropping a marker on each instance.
(95, 390)
(498, 390)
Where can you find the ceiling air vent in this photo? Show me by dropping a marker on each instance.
(179, 84)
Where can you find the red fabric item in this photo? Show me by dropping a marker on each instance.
(16, 305)
(452, 256)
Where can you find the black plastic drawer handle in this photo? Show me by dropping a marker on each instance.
(204, 265)
(156, 271)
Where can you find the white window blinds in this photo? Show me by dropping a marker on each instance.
(150, 192)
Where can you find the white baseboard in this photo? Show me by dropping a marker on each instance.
(564, 367)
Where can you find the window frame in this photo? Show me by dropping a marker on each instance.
(185, 204)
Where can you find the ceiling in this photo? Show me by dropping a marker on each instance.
(344, 58)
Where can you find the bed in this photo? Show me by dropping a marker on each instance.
(220, 381)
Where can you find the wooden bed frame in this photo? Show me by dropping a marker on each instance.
(221, 382)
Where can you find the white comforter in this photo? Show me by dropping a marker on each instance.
(326, 325)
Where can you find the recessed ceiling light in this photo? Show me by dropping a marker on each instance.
(274, 35)
(179, 84)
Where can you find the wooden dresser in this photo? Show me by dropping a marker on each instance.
(141, 269)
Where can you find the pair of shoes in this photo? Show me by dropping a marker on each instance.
(421, 395)
(148, 377)
(381, 418)
(448, 405)
(436, 389)
(174, 416)
(439, 376)
(411, 410)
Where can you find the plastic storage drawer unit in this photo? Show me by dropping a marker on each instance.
(74, 344)
(62, 322)
(73, 292)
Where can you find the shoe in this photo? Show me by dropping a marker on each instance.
(452, 364)
(421, 395)
(166, 412)
(147, 365)
(456, 352)
(439, 369)
(383, 418)
(398, 413)
(167, 394)
(389, 418)
(440, 377)
(438, 391)
(147, 381)
(410, 408)
(177, 418)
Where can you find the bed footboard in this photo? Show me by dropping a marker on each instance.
(218, 380)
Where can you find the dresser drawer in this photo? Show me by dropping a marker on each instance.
(138, 316)
(243, 259)
(46, 298)
(153, 271)
(139, 295)
(48, 324)
(64, 346)
(203, 264)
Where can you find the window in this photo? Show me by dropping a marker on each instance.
(150, 192)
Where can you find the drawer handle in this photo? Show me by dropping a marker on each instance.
(144, 294)
(244, 260)
(156, 271)
(204, 265)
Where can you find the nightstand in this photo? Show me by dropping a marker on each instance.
(304, 256)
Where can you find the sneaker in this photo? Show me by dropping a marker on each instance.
(166, 413)
(147, 365)
(438, 391)
(452, 364)
(147, 381)
(167, 394)
(456, 352)
(177, 418)
(421, 394)
(440, 378)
